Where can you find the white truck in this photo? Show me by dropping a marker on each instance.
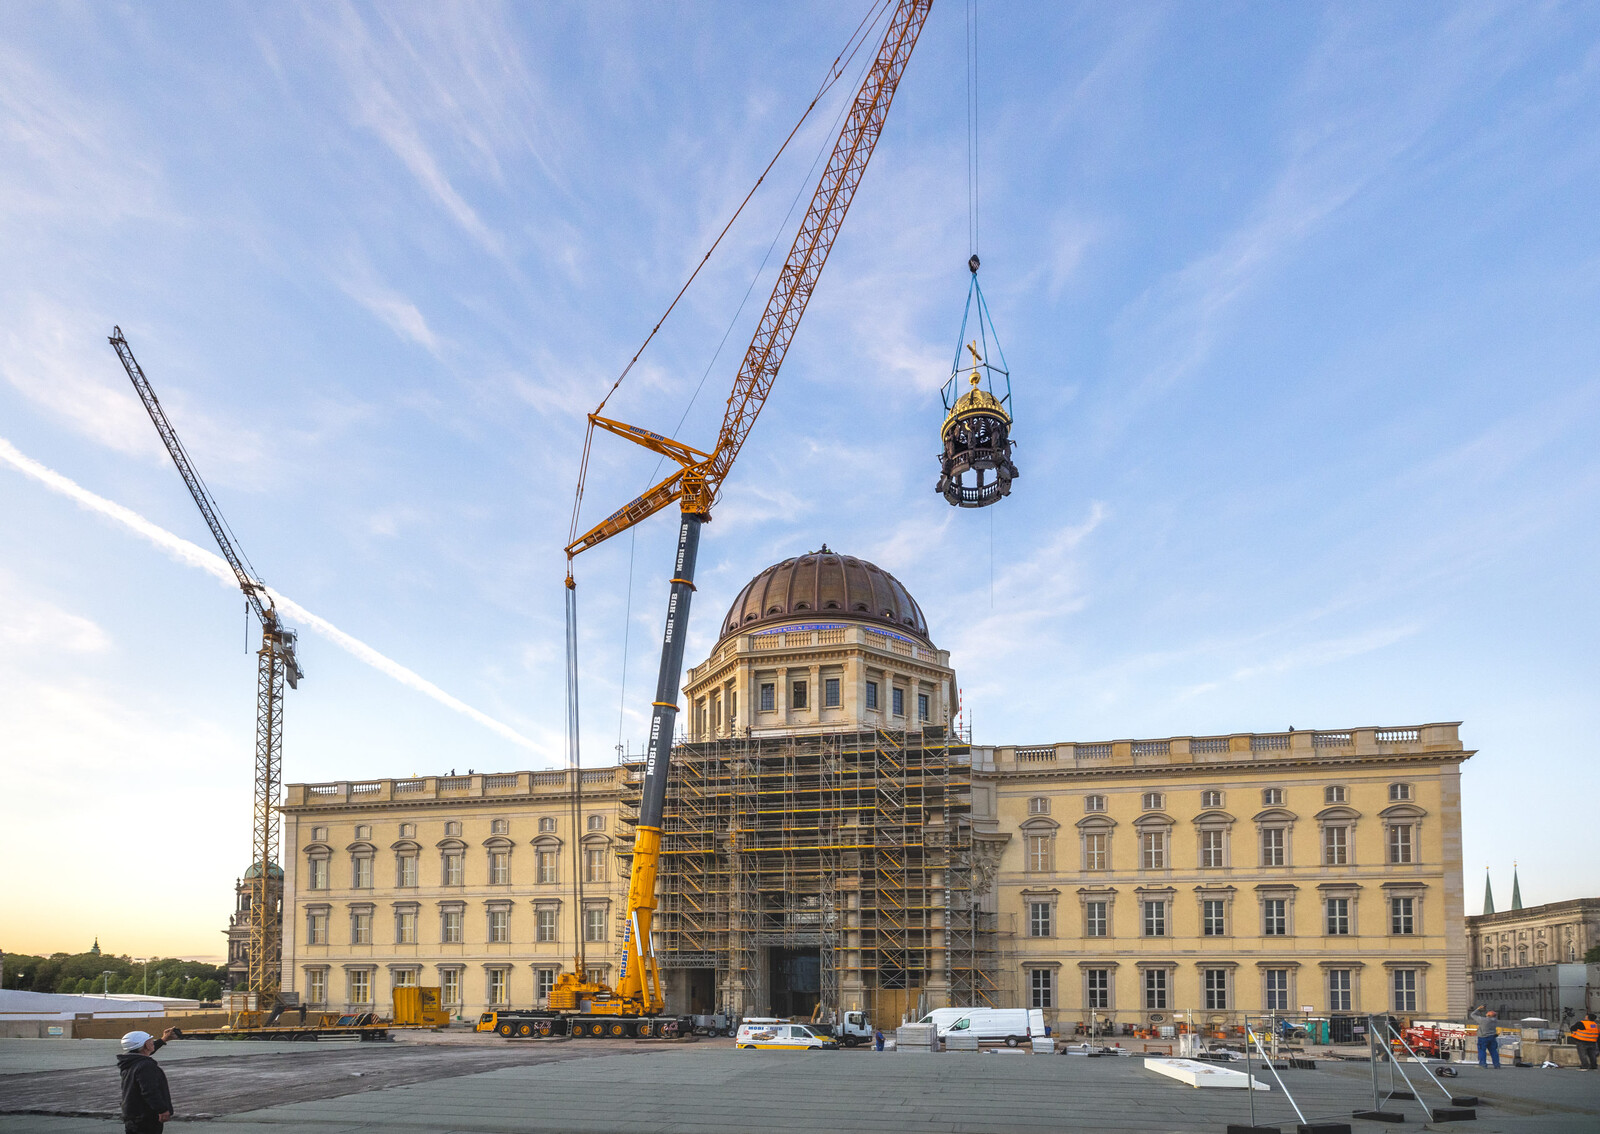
(852, 1029)
(1011, 1026)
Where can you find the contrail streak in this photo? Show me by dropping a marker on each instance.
(196, 556)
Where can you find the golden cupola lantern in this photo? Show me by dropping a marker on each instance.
(975, 468)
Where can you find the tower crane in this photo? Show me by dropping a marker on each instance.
(589, 1007)
(276, 664)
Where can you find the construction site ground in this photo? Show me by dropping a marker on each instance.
(462, 1081)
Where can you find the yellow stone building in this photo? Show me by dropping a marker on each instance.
(831, 836)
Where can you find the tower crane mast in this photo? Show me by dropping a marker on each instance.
(695, 485)
(276, 665)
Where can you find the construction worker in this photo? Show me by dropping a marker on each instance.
(1586, 1035)
(1488, 1036)
(146, 1102)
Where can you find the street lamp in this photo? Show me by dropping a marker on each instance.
(145, 961)
(105, 982)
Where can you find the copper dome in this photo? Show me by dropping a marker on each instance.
(826, 585)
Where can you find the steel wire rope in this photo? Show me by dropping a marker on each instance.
(633, 532)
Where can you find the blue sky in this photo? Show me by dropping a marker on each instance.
(1299, 302)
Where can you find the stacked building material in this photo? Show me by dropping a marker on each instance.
(917, 1039)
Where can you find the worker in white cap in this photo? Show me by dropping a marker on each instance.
(146, 1102)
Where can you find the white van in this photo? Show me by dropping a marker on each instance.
(1012, 1026)
(769, 1033)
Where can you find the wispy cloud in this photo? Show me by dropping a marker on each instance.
(195, 556)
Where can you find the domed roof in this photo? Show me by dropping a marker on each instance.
(826, 585)
(273, 870)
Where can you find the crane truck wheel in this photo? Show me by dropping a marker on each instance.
(619, 1029)
(544, 1028)
(525, 1030)
(507, 1030)
(645, 1030)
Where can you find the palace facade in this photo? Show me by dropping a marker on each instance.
(831, 837)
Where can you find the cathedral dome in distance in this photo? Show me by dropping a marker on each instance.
(826, 585)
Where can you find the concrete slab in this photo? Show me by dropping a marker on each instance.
(1193, 1073)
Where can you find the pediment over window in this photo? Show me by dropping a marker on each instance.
(361, 848)
(498, 843)
(451, 845)
(1154, 820)
(596, 839)
(406, 846)
(1213, 818)
(1338, 813)
(1096, 822)
(1039, 825)
(1402, 811)
(1275, 815)
(547, 842)
(318, 850)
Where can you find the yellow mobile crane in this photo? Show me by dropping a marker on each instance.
(579, 1005)
(276, 664)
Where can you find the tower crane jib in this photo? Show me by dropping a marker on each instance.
(277, 665)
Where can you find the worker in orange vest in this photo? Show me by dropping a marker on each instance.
(1586, 1034)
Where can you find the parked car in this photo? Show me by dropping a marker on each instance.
(763, 1034)
(1011, 1026)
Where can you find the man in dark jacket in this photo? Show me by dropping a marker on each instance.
(146, 1102)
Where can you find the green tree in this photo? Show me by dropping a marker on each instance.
(209, 990)
(1592, 957)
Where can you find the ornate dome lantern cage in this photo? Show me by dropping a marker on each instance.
(977, 423)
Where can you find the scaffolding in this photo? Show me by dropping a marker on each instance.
(855, 844)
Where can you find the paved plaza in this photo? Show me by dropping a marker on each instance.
(482, 1084)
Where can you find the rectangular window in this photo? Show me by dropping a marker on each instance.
(797, 699)
(594, 924)
(1272, 846)
(1216, 990)
(1153, 850)
(872, 694)
(1405, 990)
(1155, 919)
(319, 874)
(319, 834)
(405, 978)
(317, 929)
(898, 698)
(1214, 917)
(499, 926)
(1272, 797)
(1039, 805)
(1095, 850)
(1277, 987)
(405, 928)
(544, 925)
(1038, 919)
(363, 831)
(922, 706)
(1094, 919)
(830, 693)
(406, 871)
(594, 864)
(1040, 853)
(360, 987)
(1041, 987)
(1402, 915)
(453, 870)
(1275, 917)
(1094, 803)
(1399, 792)
(1155, 988)
(1400, 843)
(1339, 990)
(544, 980)
(497, 987)
(1097, 988)
(769, 694)
(1338, 917)
(1333, 794)
(361, 873)
(450, 986)
(1335, 846)
(499, 826)
(1152, 801)
(361, 929)
(1211, 799)
(316, 986)
(500, 868)
(1211, 848)
(549, 866)
(450, 927)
